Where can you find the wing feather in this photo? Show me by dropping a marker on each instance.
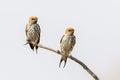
(39, 31)
(62, 38)
(26, 29)
(73, 42)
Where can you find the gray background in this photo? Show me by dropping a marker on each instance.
(97, 29)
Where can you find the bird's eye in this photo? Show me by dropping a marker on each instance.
(33, 19)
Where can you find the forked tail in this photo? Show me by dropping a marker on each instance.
(63, 58)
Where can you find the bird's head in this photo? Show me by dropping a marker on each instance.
(69, 31)
(33, 19)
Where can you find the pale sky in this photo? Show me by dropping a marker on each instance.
(97, 31)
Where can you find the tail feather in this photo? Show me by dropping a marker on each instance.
(36, 48)
(63, 58)
(65, 63)
(60, 62)
(31, 46)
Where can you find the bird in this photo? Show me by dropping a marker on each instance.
(67, 43)
(33, 31)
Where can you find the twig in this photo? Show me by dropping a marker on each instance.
(72, 58)
(84, 66)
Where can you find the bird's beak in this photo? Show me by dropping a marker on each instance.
(35, 21)
(72, 32)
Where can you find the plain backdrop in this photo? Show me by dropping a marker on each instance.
(97, 31)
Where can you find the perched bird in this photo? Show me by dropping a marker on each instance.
(67, 43)
(33, 32)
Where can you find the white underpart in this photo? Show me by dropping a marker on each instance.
(66, 45)
(33, 33)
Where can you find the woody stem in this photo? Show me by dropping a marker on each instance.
(72, 58)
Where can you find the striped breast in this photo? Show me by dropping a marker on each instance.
(33, 32)
(66, 44)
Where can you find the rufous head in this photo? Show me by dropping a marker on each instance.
(33, 19)
(69, 30)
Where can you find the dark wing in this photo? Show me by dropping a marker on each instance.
(73, 42)
(39, 31)
(26, 29)
(62, 38)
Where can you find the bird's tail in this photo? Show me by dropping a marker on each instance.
(36, 48)
(63, 58)
(31, 46)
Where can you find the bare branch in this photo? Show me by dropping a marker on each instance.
(85, 67)
(72, 58)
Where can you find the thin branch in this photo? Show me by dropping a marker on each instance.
(85, 67)
(72, 58)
